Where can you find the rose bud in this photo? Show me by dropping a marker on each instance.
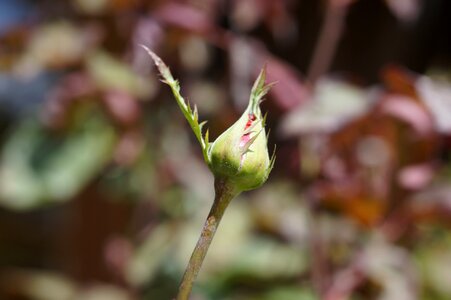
(240, 156)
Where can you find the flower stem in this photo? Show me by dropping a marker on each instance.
(224, 193)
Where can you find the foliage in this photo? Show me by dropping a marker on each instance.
(103, 189)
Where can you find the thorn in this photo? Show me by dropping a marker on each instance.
(267, 135)
(273, 159)
(195, 113)
(206, 138)
(264, 119)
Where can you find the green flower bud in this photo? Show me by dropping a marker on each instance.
(239, 156)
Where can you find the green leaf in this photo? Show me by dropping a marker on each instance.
(190, 115)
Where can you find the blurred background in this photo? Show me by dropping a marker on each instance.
(103, 190)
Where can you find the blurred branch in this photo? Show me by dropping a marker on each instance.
(346, 281)
(329, 37)
(319, 269)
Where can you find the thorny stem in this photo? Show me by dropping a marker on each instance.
(224, 193)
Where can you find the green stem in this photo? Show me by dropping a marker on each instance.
(224, 193)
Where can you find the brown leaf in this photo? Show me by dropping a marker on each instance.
(290, 90)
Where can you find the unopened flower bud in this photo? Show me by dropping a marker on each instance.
(240, 154)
